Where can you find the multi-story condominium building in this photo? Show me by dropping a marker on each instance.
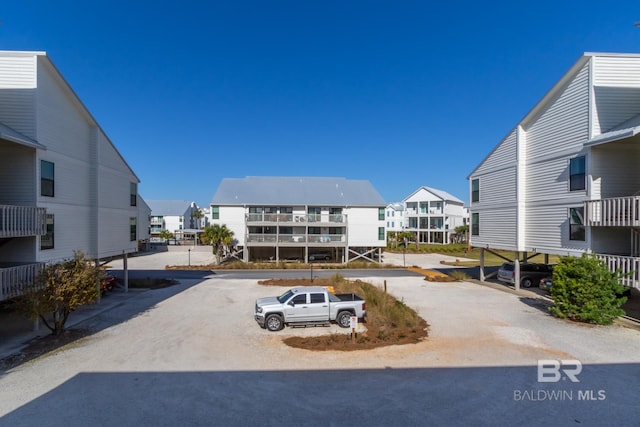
(565, 180)
(394, 217)
(175, 216)
(302, 218)
(63, 184)
(432, 215)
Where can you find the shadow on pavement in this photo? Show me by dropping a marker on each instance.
(605, 395)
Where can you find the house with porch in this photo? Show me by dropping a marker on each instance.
(432, 215)
(301, 218)
(178, 217)
(63, 184)
(565, 179)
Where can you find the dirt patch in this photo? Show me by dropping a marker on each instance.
(389, 321)
(42, 345)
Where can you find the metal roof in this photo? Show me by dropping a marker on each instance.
(168, 207)
(296, 191)
(438, 193)
(624, 130)
(14, 136)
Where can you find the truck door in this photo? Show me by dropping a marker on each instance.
(318, 307)
(297, 309)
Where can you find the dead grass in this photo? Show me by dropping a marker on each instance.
(389, 321)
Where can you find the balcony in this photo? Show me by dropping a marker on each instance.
(22, 221)
(627, 265)
(299, 219)
(15, 279)
(293, 239)
(614, 212)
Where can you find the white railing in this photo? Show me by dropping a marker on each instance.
(295, 238)
(614, 212)
(297, 218)
(21, 221)
(14, 280)
(628, 266)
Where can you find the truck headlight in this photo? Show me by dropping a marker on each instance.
(259, 309)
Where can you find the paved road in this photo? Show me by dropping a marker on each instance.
(191, 354)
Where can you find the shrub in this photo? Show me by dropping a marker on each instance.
(459, 275)
(584, 289)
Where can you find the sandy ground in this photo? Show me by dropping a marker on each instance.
(149, 347)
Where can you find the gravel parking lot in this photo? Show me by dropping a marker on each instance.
(192, 354)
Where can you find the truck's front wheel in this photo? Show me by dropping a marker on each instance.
(274, 322)
(344, 319)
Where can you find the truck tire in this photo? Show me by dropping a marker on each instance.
(274, 322)
(344, 319)
(526, 282)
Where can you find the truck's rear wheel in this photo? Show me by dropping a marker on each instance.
(344, 319)
(274, 322)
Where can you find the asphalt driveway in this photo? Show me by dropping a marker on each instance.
(191, 354)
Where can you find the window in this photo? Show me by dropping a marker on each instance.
(577, 174)
(380, 233)
(475, 190)
(133, 234)
(133, 191)
(475, 224)
(46, 241)
(46, 178)
(381, 214)
(317, 298)
(299, 299)
(576, 224)
(215, 212)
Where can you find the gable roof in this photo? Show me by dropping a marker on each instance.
(296, 191)
(168, 207)
(438, 193)
(43, 58)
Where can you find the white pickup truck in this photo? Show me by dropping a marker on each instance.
(308, 306)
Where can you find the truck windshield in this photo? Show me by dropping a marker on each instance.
(284, 297)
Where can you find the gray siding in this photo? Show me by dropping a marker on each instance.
(497, 228)
(502, 155)
(615, 170)
(616, 71)
(17, 175)
(616, 90)
(564, 124)
(17, 94)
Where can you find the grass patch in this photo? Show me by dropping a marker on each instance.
(389, 320)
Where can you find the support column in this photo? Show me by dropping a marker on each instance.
(98, 283)
(482, 264)
(125, 272)
(516, 271)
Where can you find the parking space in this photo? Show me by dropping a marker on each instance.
(193, 354)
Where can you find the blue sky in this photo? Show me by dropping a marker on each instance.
(400, 93)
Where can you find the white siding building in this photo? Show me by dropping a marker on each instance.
(394, 217)
(301, 218)
(175, 216)
(432, 215)
(565, 180)
(63, 184)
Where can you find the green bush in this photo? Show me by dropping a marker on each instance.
(584, 289)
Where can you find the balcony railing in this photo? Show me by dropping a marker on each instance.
(21, 221)
(627, 265)
(296, 218)
(15, 279)
(614, 212)
(289, 238)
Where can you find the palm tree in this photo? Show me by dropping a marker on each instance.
(196, 214)
(219, 236)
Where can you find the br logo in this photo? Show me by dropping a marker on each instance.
(551, 371)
